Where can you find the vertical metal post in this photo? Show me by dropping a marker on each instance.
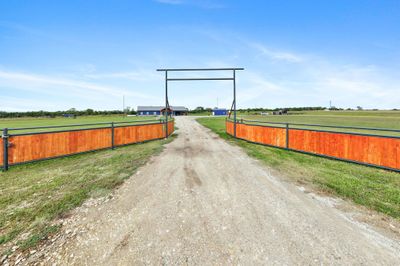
(112, 136)
(234, 103)
(287, 135)
(5, 149)
(166, 104)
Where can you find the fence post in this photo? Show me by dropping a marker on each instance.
(112, 136)
(287, 135)
(5, 149)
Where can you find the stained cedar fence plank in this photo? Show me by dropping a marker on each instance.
(398, 156)
(149, 132)
(229, 127)
(374, 150)
(38, 146)
(134, 134)
(264, 135)
(1, 151)
(380, 151)
(27, 148)
(125, 135)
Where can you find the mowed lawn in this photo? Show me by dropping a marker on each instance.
(62, 121)
(374, 119)
(374, 188)
(33, 195)
(366, 119)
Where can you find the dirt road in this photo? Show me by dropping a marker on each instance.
(204, 201)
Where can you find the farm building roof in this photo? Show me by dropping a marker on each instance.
(158, 108)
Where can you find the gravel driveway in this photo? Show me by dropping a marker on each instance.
(204, 201)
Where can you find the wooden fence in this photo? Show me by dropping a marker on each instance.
(28, 147)
(379, 151)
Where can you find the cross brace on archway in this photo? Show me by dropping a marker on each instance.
(167, 79)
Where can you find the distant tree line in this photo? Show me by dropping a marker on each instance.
(70, 112)
(283, 108)
(200, 109)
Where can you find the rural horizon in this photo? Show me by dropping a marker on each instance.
(293, 57)
(130, 109)
(199, 132)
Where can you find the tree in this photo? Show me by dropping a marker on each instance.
(89, 111)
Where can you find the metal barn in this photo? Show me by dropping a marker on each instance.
(159, 110)
(219, 111)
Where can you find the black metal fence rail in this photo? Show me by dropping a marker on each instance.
(7, 133)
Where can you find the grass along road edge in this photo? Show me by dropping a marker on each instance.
(374, 188)
(34, 195)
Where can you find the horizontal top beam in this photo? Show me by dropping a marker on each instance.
(194, 79)
(200, 69)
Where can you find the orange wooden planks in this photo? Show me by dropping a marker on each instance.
(139, 133)
(375, 150)
(229, 127)
(1, 151)
(125, 135)
(381, 151)
(271, 136)
(264, 135)
(398, 155)
(26, 148)
(149, 132)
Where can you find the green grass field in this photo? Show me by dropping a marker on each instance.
(205, 113)
(33, 195)
(373, 119)
(37, 122)
(371, 187)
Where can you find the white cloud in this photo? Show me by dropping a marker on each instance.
(296, 79)
(28, 91)
(18, 104)
(41, 83)
(128, 75)
(277, 55)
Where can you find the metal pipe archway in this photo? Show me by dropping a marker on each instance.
(233, 78)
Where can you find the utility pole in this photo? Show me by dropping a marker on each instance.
(123, 105)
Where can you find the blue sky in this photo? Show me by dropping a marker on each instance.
(87, 54)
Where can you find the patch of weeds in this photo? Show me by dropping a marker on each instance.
(9, 236)
(7, 252)
(36, 238)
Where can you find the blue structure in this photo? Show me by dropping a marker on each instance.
(159, 110)
(219, 111)
(149, 110)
